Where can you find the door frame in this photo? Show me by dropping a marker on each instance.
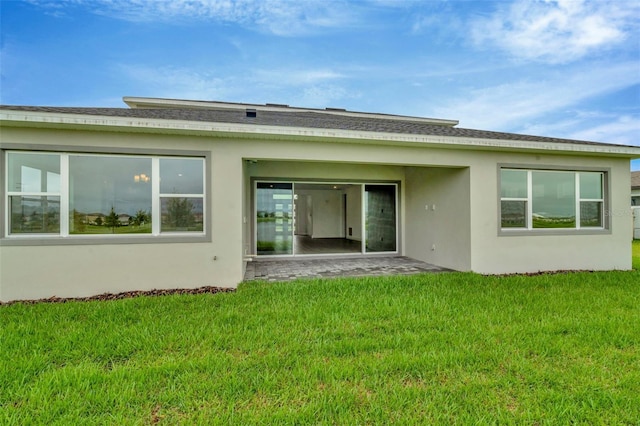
(363, 232)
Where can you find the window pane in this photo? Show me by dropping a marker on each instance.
(380, 218)
(514, 214)
(513, 183)
(553, 200)
(591, 185)
(274, 218)
(591, 214)
(181, 175)
(38, 215)
(181, 214)
(34, 172)
(109, 195)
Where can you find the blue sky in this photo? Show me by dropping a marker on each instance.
(561, 68)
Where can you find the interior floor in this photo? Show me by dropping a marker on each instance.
(308, 245)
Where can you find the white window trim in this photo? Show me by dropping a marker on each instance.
(529, 229)
(64, 237)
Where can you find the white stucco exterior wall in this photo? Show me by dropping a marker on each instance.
(438, 228)
(498, 254)
(461, 183)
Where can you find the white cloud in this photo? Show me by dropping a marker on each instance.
(296, 77)
(623, 130)
(557, 31)
(311, 88)
(512, 106)
(280, 17)
(174, 82)
(322, 96)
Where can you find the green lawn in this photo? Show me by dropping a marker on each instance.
(636, 255)
(428, 349)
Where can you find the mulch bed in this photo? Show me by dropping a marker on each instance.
(125, 295)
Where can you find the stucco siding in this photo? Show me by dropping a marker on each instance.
(79, 271)
(494, 253)
(438, 216)
(461, 232)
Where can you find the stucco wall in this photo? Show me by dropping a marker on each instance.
(492, 253)
(29, 272)
(437, 216)
(461, 183)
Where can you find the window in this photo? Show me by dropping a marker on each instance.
(33, 191)
(181, 194)
(551, 199)
(73, 195)
(109, 194)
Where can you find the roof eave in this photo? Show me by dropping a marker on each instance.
(11, 118)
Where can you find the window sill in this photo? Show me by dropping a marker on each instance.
(41, 240)
(552, 231)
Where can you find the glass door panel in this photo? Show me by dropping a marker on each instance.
(274, 218)
(380, 218)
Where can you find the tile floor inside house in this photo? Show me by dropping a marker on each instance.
(290, 269)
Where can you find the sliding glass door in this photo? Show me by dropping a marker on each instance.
(316, 218)
(274, 218)
(380, 218)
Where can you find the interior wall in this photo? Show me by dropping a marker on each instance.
(303, 219)
(438, 226)
(354, 213)
(326, 212)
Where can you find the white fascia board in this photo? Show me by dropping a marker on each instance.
(17, 118)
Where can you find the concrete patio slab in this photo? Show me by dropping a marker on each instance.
(290, 269)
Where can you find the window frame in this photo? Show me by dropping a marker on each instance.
(64, 237)
(578, 229)
(8, 193)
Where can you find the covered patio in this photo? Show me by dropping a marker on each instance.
(294, 268)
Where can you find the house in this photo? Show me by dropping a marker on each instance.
(635, 188)
(211, 186)
(635, 203)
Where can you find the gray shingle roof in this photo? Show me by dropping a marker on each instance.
(309, 119)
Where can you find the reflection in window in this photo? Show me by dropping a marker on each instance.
(514, 214)
(535, 199)
(181, 194)
(34, 215)
(553, 200)
(513, 183)
(88, 194)
(109, 195)
(380, 218)
(591, 199)
(274, 218)
(33, 190)
(181, 176)
(180, 214)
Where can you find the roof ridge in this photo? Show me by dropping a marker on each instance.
(142, 102)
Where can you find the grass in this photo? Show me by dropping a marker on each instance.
(636, 254)
(425, 349)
